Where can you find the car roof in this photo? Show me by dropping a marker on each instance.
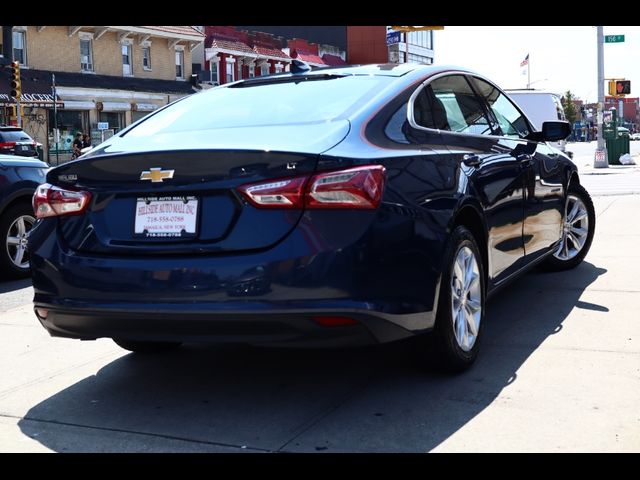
(380, 69)
(509, 91)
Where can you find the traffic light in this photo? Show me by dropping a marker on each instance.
(16, 85)
(623, 87)
(618, 88)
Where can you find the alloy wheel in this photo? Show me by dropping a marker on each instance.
(466, 298)
(16, 242)
(575, 229)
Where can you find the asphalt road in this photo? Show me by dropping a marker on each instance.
(559, 371)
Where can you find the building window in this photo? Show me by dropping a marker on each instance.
(179, 64)
(214, 73)
(126, 60)
(86, 55)
(20, 47)
(229, 72)
(146, 58)
(279, 67)
(264, 69)
(252, 71)
(114, 119)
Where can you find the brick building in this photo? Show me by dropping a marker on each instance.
(108, 74)
(631, 110)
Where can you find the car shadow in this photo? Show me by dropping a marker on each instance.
(360, 400)
(7, 286)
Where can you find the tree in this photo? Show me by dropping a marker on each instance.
(569, 107)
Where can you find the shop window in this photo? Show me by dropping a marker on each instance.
(69, 122)
(115, 120)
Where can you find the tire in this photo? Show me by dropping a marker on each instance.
(147, 347)
(577, 233)
(448, 348)
(15, 223)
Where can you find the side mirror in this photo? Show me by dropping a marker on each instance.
(556, 130)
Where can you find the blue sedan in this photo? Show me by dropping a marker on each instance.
(344, 206)
(19, 178)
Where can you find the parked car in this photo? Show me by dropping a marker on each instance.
(15, 141)
(19, 178)
(344, 206)
(540, 106)
(635, 136)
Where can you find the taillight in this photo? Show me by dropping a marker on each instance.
(359, 187)
(52, 201)
(284, 193)
(7, 145)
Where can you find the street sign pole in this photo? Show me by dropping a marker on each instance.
(19, 112)
(600, 160)
(56, 134)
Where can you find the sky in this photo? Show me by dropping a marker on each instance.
(560, 58)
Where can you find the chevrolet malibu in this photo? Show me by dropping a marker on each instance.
(334, 207)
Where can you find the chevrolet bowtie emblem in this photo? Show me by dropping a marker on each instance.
(156, 175)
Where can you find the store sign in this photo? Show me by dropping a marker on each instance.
(393, 38)
(29, 100)
(103, 125)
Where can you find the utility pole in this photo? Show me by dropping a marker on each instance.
(600, 160)
(56, 133)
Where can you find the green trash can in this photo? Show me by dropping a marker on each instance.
(40, 151)
(618, 146)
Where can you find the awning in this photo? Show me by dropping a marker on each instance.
(44, 100)
(144, 107)
(79, 105)
(34, 93)
(113, 106)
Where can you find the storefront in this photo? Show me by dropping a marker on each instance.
(84, 103)
(35, 107)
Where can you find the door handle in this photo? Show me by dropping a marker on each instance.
(471, 160)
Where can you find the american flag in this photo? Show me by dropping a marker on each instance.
(525, 61)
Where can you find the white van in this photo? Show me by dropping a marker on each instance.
(540, 106)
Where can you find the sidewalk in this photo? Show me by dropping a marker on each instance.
(614, 180)
(583, 157)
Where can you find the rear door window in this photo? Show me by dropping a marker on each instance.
(449, 103)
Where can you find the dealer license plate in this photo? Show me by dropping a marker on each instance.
(158, 217)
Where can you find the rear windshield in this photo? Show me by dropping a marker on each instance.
(266, 104)
(14, 136)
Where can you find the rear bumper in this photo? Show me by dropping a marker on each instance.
(287, 327)
(254, 297)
